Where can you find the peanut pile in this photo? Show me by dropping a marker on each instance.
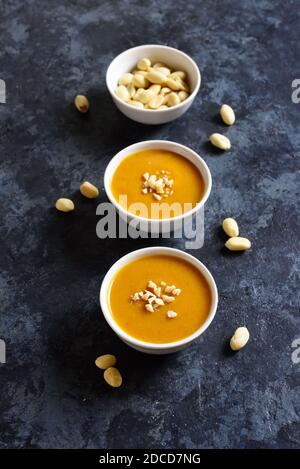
(153, 87)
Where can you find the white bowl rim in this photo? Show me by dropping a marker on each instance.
(156, 111)
(145, 252)
(127, 214)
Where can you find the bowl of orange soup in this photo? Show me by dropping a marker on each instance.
(158, 300)
(158, 183)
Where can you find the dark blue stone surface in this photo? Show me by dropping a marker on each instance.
(52, 265)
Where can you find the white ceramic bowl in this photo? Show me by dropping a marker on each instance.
(176, 59)
(148, 347)
(165, 225)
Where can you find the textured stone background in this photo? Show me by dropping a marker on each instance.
(52, 265)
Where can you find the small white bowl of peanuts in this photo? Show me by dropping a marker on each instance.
(153, 84)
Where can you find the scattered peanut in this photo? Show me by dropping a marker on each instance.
(89, 190)
(149, 85)
(81, 103)
(220, 141)
(113, 377)
(105, 361)
(236, 243)
(64, 205)
(239, 338)
(230, 227)
(227, 114)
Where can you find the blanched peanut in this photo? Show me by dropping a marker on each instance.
(227, 114)
(113, 377)
(239, 338)
(64, 205)
(237, 243)
(125, 79)
(155, 88)
(144, 96)
(156, 102)
(89, 190)
(230, 227)
(173, 99)
(105, 361)
(166, 71)
(131, 90)
(139, 81)
(175, 85)
(137, 104)
(183, 95)
(144, 64)
(156, 77)
(183, 85)
(159, 65)
(122, 93)
(141, 72)
(81, 102)
(220, 141)
(163, 107)
(165, 90)
(178, 74)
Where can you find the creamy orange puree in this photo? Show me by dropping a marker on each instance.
(127, 179)
(192, 305)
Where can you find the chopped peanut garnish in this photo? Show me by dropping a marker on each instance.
(154, 299)
(159, 184)
(171, 314)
